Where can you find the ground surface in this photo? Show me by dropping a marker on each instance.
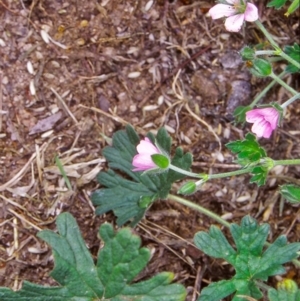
(150, 64)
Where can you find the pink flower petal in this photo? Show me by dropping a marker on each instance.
(146, 147)
(234, 23)
(259, 127)
(221, 10)
(142, 162)
(271, 115)
(253, 115)
(264, 121)
(251, 13)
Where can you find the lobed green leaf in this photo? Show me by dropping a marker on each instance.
(119, 262)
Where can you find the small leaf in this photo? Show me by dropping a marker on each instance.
(292, 8)
(277, 3)
(260, 174)
(214, 244)
(119, 262)
(294, 53)
(247, 150)
(217, 291)
(291, 193)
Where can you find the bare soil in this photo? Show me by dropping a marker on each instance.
(150, 64)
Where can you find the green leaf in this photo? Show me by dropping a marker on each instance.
(277, 3)
(293, 7)
(217, 291)
(260, 174)
(294, 53)
(248, 150)
(215, 244)
(287, 291)
(119, 262)
(291, 193)
(250, 261)
(127, 197)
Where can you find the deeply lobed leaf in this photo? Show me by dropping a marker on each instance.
(119, 262)
(250, 260)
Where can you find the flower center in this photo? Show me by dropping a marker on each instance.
(240, 6)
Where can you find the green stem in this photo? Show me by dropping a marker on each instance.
(289, 59)
(230, 173)
(282, 83)
(287, 162)
(291, 100)
(278, 53)
(266, 52)
(185, 172)
(267, 35)
(265, 90)
(199, 209)
(207, 177)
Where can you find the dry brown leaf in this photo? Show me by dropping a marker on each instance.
(45, 124)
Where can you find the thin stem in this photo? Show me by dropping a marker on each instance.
(278, 53)
(266, 52)
(185, 172)
(291, 100)
(267, 35)
(289, 59)
(265, 90)
(282, 83)
(199, 209)
(287, 162)
(262, 285)
(230, 173)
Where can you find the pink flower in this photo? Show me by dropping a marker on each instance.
(264, 121)
(236, 11)
(143, 161)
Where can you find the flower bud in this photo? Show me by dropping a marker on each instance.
(288, 285)
(247, 53)
(261, 68)
(187, 188)
(291, 193)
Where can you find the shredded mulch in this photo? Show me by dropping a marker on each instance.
(72, 73)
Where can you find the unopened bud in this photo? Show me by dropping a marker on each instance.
(288, 285)
(248, 54)
(188, 188)
(260, 67)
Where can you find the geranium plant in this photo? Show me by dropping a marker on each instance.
(151, 167)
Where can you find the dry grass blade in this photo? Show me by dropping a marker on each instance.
(65, 106)
(21, 173)
(24, 219)
(1, 99)
(144, 227)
